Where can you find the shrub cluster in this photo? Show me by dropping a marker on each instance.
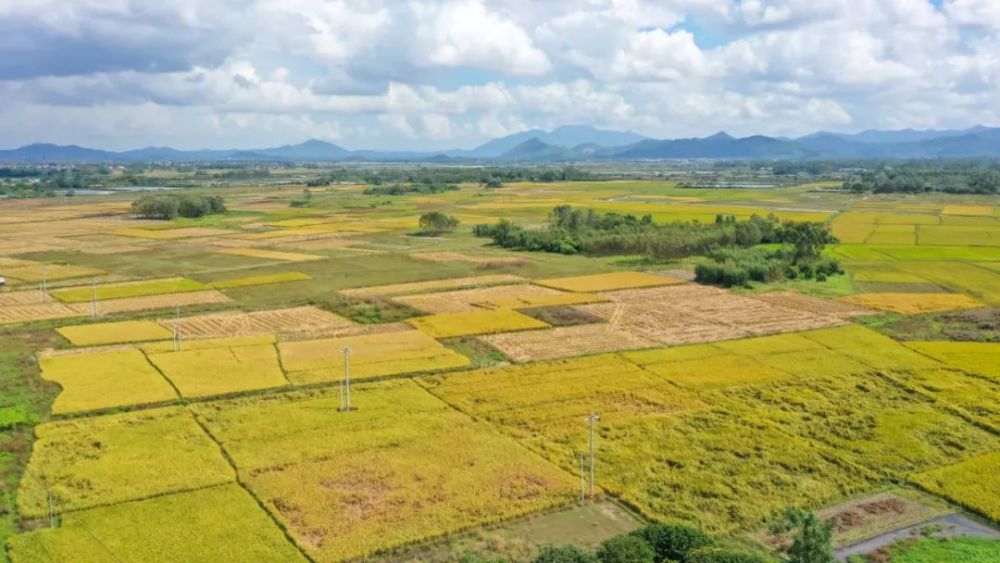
(171, 206)
(405, 189)
(739, 266)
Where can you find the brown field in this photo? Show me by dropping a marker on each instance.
(271, 254)
(800, 302)
(218, 325)
(433, 285)
(641, 318)
(132, 304)
(29, 297)
(468, 300)
(458, 257)
(16, 314)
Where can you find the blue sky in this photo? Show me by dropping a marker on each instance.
(430, 74)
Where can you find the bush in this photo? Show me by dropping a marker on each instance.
(171, 206)
(626, 549)
(435, 222)
(672, 542)
(566, 554)
(722, 555)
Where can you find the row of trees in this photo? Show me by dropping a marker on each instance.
(953, 177)
(171, 206)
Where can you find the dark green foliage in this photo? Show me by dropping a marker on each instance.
(565, 554)
(171, 206)
(406, 189)
(722, 555)
(917, 177)
(626, 549)
(435, 222)
(672, 542)
(811, 540)
(732, 267)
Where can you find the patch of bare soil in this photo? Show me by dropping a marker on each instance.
(563, 316)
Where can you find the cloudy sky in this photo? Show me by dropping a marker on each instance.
(425, 74)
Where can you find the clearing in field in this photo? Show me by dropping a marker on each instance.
(608, 282)
(974, 357)
(128, 289)
(104, 380)
(449, 325)
(913, 303)
(98, 461)
(217, 371)
(271, 254)
(469, 300)
(114, 333)
(972, 483)
(433, 285)
(261, 280)
(222, 523)
(299, 320)
(401, 467)
(373, 355)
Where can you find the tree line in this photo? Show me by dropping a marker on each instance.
(171, 206)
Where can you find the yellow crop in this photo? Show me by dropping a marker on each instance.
(560, 299)
(984, 210)
(222, 523)
(972, 484)
(209, 343)
(608, 282)
(913, 303)
(103, 460)
(38, 272)
(974, 357)
(150, 302)
(400, 468)
(105, 380)
(271, 254)
(975, 396)
(114, 333)
(312, 361)
(723, 370)
(449, 325)
(128, 289)
(261, 280)
(215, 371)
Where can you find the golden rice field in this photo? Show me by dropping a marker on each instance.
(608, 282)
(202, 372)
(219, 523)
(271, 254)
(143, 288)
(96, 334)
(152, 302)
(36, 272)
(449, 325)
(433, 285)
(260, 280)
(913, 303)
(981, 358)
(100, 461)
(400, 468)
(971, 483)
(372, 355)
(104, 380)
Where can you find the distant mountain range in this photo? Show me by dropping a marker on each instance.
(578, 143)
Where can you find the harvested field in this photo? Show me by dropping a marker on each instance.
(105, 380)
(562, 316)
(449, 325)
(133, 304)
(217, 371)
(433, 285)
(105, 460)
(459, 257)
(300, 320)
(539, 300)
(808, 304)
(469, 300)
(17, 314)
(608, 282)
(220, 523)
(123, 290)
(114, 333)
(972, 484)
(260, 280)
(271, 254)
(28, 297)
(563, 342)
(348, 486)
(913, 303)
(393, 353)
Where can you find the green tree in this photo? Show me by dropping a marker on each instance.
(722, 555)
(812, 539)
(672, 542)
(434, 222)
(565, 554)
(626, 549)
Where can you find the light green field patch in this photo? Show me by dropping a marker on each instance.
(887, 276)
(128, 289)
(893, 234)
(261, 280)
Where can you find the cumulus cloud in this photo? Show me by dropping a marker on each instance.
(445, 73)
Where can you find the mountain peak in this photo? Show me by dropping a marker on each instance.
(720, 136)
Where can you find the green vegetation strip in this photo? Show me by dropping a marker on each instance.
(130, 289)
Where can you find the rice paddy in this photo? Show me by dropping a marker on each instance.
(97, 334)
(128, 289)
(914, 303)
(971, 483)
(104, 380)
(221, 370)
(450, 325)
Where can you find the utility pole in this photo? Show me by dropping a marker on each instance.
(52, 514)
(45, 283)
(177, 327)
(583, 480)
(93, 298)
(347, 374)
(592, 418)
